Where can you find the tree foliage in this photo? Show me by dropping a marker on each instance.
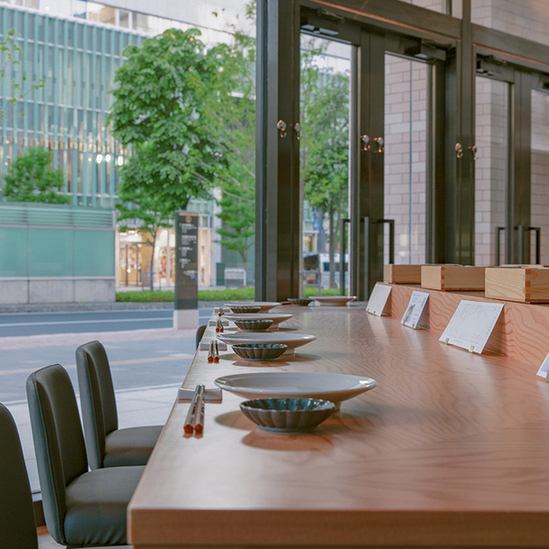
(236, 130)
(325, 143)
(31, 178)
(162, 108)
(165, 101)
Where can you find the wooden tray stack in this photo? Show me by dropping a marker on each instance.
(402, 274)
(452, 277)
(522, 283)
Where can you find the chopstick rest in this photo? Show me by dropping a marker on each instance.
(205, 345)
(213, 395)
(214, 322)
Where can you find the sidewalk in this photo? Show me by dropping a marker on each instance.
(147, 367)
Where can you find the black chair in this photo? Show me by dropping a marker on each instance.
(17, 528)
(82, 508)
(106, 444)
(199, 333)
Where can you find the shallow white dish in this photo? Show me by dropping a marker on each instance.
(291, 339)
(333, 387)
(277, 318)
(334, 300)
(264, 305)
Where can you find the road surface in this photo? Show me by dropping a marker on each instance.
(28, 324)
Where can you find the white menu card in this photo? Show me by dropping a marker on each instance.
(471, 325)
(544, 369)
(378, 299)
(413, 316)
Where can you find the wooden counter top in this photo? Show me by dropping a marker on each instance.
(451, 448)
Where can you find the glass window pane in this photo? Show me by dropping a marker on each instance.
(491, 168)
(325, 111)
(68, 116)
(101, 13)
(524, 18)
(406, 85)
(540, 174)
(436, 5)
(124, 19)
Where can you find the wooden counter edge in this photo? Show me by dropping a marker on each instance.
(240, 528)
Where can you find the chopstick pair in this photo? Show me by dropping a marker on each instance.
(213, 351)
(194, 422)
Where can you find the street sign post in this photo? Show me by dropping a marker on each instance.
(185, 314)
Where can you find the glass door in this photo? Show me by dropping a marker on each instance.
(406, 156)
(493, 170)
(365, 153)
(539, 227)
(324, 164)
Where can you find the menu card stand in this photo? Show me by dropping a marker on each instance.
(414, 314)
(471, 325)
(544, 369)
(378, 299)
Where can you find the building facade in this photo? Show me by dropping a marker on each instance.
(67, 52)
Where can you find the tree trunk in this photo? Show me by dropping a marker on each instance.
(151, 266)
(331, 248)
(321, 239)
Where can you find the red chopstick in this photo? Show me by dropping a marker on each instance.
(188, 427)
(200, 410)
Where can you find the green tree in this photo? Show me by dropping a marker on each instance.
(235, 126)
(31, 178)
(165, 103)
(325, 143)
(137, 202)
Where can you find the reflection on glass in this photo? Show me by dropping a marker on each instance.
(406, 84)
(325, 90)
(436, 5)
(101, 14)
(540, 173)
(124, 18)
(491, 168)
(524, 18)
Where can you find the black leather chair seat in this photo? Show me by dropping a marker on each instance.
(131, 446)
(97, 503)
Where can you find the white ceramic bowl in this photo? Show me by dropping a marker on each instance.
(334, 300)
(333, 387)
(291, 339)
(277, 318)
(263, 305)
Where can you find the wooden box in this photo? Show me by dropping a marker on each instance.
(526, 284)
(452, 277)
(402, 274)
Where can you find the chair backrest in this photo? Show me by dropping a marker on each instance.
(58, 440)
(199, 333)
(97, 399)
(17, 527)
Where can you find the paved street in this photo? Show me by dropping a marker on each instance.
(27, 324)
